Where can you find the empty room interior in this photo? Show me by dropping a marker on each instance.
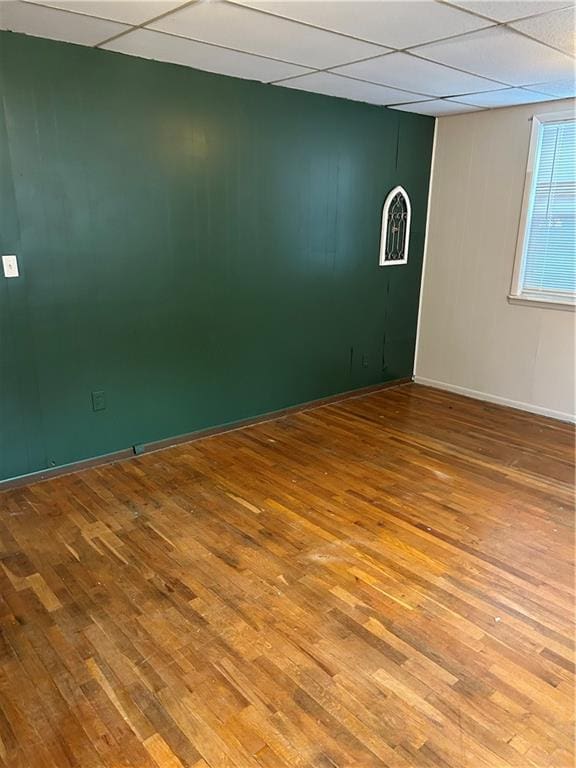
(287, 383)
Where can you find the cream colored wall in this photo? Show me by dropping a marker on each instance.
(471, 339)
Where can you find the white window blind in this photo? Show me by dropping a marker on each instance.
(548, 266)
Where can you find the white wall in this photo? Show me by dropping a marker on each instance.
(471, 339)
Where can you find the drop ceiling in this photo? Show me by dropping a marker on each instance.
(433, 57)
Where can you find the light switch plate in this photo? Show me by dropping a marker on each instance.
(10, 265)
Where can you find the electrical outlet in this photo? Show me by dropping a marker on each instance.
(365, 361)
(99, 400)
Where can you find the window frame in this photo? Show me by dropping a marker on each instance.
(516, 296)
(382, 261)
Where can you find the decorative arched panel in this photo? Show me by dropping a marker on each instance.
(395, 232)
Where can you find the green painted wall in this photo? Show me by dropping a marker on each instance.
(203, 249)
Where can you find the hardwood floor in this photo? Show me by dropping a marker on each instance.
(382, 582)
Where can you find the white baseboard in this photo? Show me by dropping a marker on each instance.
(489, 398)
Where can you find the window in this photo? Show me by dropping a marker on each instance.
(395, 229)
(545, 267)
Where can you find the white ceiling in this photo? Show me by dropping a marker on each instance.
(434, 57)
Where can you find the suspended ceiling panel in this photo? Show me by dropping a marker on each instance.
(427, 56)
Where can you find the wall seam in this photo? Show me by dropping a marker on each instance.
(426, 243)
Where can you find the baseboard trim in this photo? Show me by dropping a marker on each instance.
(159, 445)
(496, 399)
(189, 437)
(65, 469)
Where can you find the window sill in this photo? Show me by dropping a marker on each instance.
(548, 302)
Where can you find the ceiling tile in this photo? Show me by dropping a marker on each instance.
(128, 11)
(508, 10)
(259, 33)
(343, 87)
(178, 50)
(436, 108)
(56, 25)
(394, 23)
(561, 89)
(504, 98)
(400, 70)
(501, 54)
(556, 29)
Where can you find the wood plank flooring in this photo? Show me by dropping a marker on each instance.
(386, 581)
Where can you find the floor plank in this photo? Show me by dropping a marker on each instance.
(386, 581)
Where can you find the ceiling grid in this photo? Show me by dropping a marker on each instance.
(433, 57)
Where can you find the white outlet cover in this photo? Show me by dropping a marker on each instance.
(10, 265)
